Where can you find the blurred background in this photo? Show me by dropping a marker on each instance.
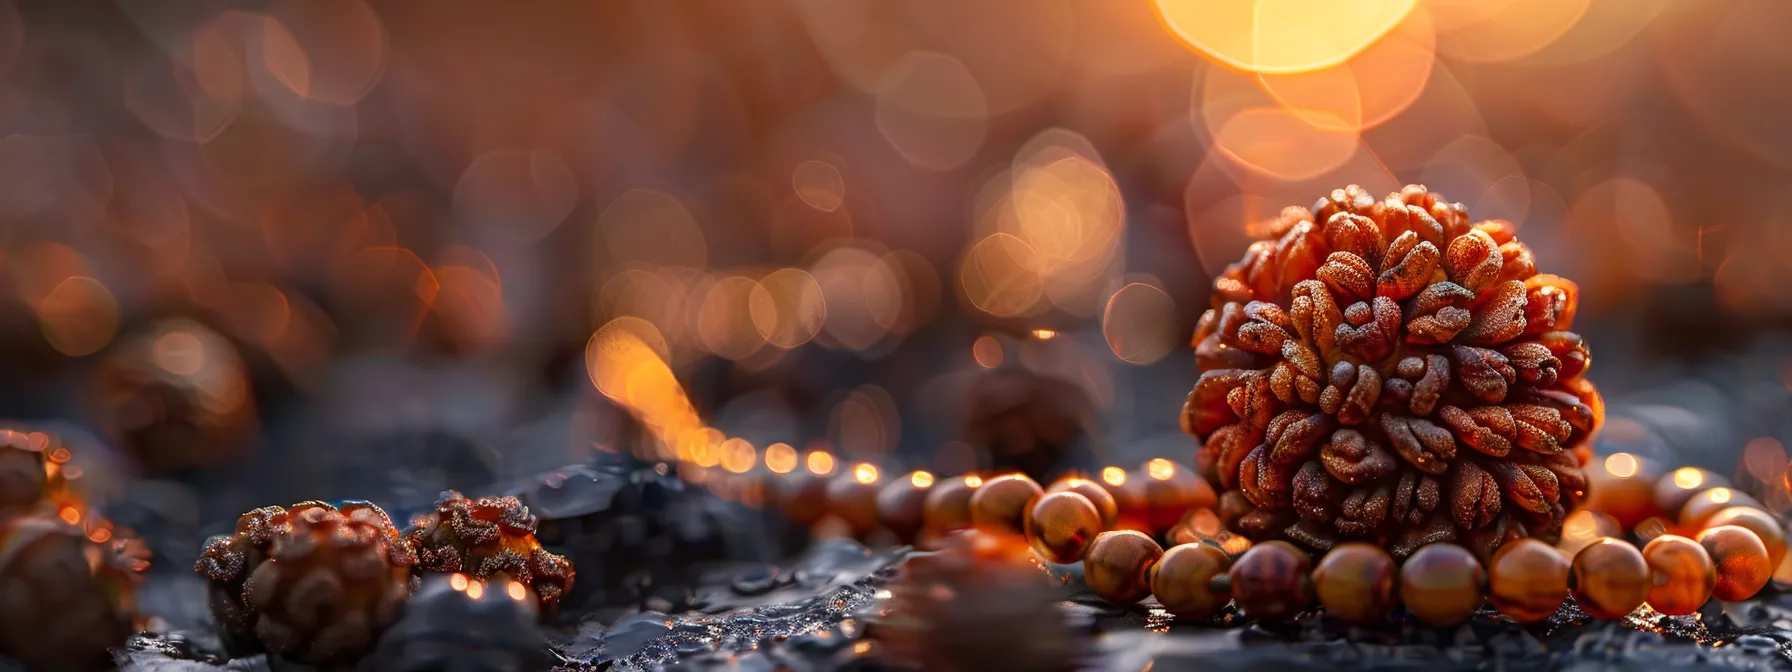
(258, 252)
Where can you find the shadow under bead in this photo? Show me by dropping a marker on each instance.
(313, 584)
(486, 538)
(1741, 561)
(56, 611)
(1182, 581)
(1002, 503)
(1270, 581)
(1355, 583)
(1117, 565)
(1060, 526)
(1680, 573)
(1609, 579)
(1528, 580)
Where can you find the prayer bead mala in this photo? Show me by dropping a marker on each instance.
(1727, 552)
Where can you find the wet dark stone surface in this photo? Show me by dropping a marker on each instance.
(679, 603)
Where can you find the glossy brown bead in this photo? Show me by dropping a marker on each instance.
(1741, 561)
(854, 502)
(1681, 575)
(1763, 524)
(1355, 583)
(1674, 488)
(1092, 491)
(1182, 580)
(1269, 582)
(1171, 490)
(1129, 498)
(1002, 503)
(948, 505)
(900, 505)
(1440, 584)
(1117, 565)
(1701, 507)
(803, 497)
(1528, 580)
(1060, 526)
(1609, 579)
(1623, 487)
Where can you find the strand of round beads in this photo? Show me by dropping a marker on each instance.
(1698, 539)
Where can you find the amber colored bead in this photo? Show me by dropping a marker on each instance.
(1609, 579)
(1002, 503)
(1702, 506)
(900, 505)
(803, 497)
(1674, 488)
(1681, 575)
(1355, 583)
(1117, 565)
(1584, 527)
(948, 504)
(1527, 580)
(1183, 580)
(1170, 491)
(1269, 582)
(1129, 499)
(1741, 561)
(854, 502)
(1628, 498)
(1440, 584)
(1763, 524)
(1060, 525)
(1092, 491)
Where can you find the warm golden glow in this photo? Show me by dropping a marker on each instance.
(70, 514)
(864, 473)
(820, 463)
(1044, 334)
(987, 351)
(516, 591)
(1114, 476)
(780, 458)
(1719, 495)
(458, 581)
(1160, 469)
(921, 479)
(1688, 477)
(738, 456)
(1622, 465)
(1280, 35)
(476, 590)
(973, 481)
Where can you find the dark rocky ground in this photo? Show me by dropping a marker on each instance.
(814, 613)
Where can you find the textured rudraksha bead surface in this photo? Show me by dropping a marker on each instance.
(1386, 370)
(488, 536)
(312, 583)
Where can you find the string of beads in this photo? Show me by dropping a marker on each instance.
(1720, 544)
